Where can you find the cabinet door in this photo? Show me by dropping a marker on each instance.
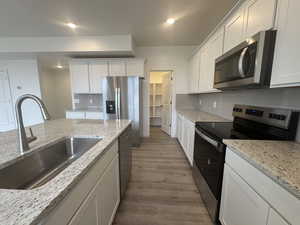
(195, 72)
(191, 139)
(179, 127)
(234, 27)
(108, 193)
(259, 16)
(275, 218)
(135, 67)
(215, 50)
(97, 70)
(286, 66)
(87, 213)
(80, 77)
(240, 204)
(204, 64)
(117, 68)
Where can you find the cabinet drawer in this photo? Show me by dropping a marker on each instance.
(279, 198)
(94, 115)
(75, 115)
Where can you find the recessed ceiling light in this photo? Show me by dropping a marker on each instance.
(72, 25)
(59, 66)
(170, 21)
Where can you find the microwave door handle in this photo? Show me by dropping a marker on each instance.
(208, 139)
(241, 62)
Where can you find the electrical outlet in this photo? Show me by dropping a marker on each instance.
(91, 101)
(76, 100)
(215, 104)
(200, 102)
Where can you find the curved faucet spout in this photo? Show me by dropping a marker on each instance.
(23, 139)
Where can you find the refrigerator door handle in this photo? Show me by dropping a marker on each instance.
(119, 103)
(116, 103)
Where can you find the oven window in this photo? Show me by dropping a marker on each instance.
(210, 163)
(228, 69)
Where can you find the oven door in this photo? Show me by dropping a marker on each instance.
(209, 157)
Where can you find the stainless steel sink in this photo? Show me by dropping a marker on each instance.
(41, 166)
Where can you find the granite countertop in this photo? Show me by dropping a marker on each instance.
(279, 160)
(24, 207)
(200, 116)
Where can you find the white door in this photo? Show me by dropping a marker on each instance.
(108, 193)
(259, 16)
(24, 79)
(286, 66)
(275, 218)
(6, 107)
(97, 71)
(240, 204)
(234, 30)
(80, 77)
(87, 213)
(166, 115)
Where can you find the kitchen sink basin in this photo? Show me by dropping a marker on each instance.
(41, 166)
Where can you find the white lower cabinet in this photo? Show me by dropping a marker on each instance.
(75, 115)
(250, 197)
(186, 136)
(240, 204)
(84, 115)
(95, 199)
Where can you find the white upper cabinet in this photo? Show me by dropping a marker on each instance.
(117, 68)
(234, 30)
(135, 67)
(97, 70)
(80, 77)
(194, 71)
(286, 66)
(203, 68)
(259, 16)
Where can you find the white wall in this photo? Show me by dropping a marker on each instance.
(173, 58)
(56, 91)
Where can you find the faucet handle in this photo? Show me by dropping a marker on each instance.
(32, 137)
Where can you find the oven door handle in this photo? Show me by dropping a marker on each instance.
(208, 139)
(241, 63)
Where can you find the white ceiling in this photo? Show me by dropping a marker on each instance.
(144, 19)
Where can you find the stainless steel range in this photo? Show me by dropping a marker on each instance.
(250, 122)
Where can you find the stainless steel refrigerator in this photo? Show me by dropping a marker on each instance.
(122, 99)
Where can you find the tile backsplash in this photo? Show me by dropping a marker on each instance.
(88, 101)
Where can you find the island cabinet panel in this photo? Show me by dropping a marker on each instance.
(240, 204)
(80, 77)
(95, 198)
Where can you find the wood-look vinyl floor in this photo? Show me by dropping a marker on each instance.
(161, 190)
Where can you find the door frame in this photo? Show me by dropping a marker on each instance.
(173, 96)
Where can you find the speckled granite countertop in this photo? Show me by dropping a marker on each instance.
(24, 207)
(279, 160)
(196, 115)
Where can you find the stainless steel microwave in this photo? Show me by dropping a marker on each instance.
(249, 65)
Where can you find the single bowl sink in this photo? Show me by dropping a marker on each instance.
(41, 166)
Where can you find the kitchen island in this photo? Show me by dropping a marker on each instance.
(34, 206)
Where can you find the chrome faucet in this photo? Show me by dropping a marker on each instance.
(23, 139)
